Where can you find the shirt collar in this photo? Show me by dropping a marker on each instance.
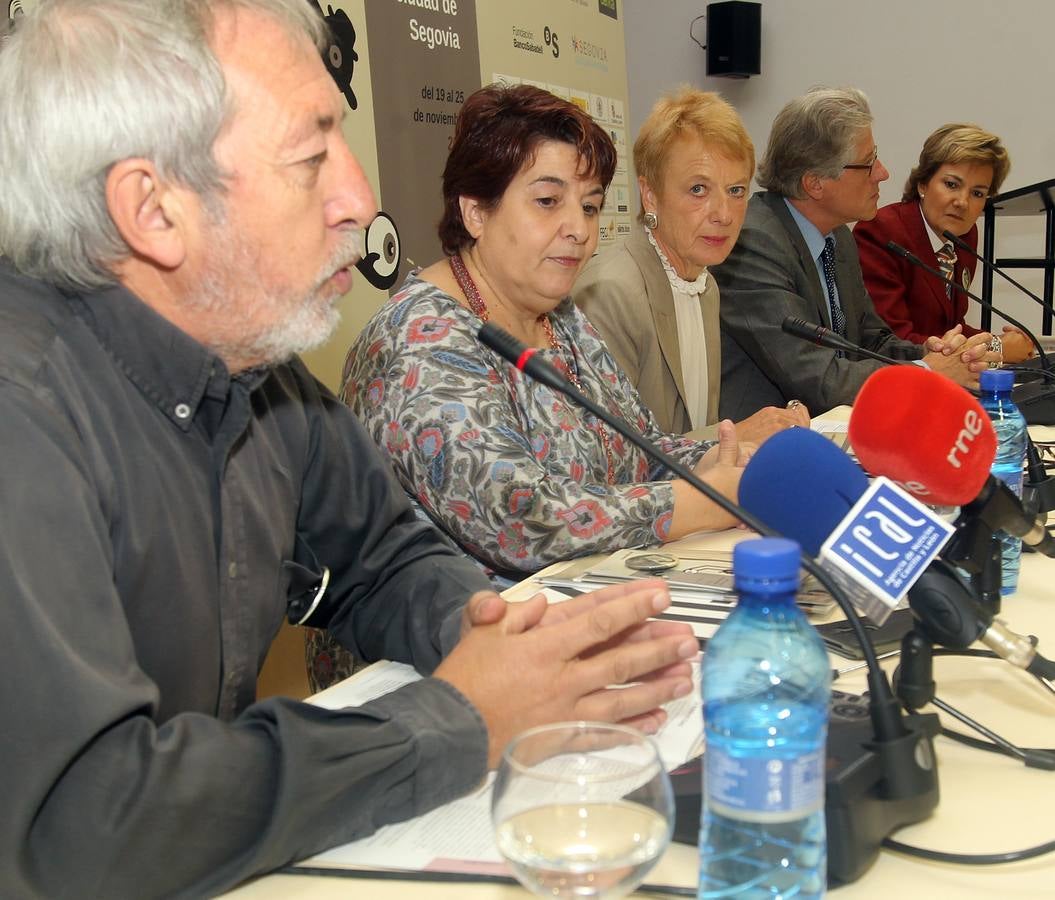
(171, 368)
(679, 284)
(810, 233)
(936, 241)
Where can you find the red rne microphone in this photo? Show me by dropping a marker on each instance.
(925, 432)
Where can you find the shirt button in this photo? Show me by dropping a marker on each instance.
(232, 570)
(182, 411)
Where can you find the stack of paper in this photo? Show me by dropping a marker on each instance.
(701, 586)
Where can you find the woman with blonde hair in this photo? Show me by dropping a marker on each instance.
(652, 298)
(960, 167)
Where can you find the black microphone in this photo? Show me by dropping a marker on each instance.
(825, 337)
(916, 261)
(950, 615)
(946, 614)
(997, 506)
(523, 358)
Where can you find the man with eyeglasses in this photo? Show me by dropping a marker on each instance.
(796, 257)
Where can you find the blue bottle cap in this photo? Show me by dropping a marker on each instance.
(767, 565)
(996, 380)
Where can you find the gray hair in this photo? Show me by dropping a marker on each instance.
(815, 133)
(85, 84)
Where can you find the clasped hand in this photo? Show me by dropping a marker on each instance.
(960, 358)
(596, 657)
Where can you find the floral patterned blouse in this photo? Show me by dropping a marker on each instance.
(513, 471)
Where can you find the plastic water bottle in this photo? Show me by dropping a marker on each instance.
(1010, 428)
(766, 689)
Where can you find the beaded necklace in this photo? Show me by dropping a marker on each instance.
(477, 305)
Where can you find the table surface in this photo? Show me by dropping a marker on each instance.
(989, 803)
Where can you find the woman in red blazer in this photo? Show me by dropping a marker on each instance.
(959, 168)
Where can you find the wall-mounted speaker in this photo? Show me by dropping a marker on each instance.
(734, 39)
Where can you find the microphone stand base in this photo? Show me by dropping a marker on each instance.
(870, 790)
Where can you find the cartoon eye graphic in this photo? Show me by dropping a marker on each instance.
(380, 266)
(335, 57)
(340, 57)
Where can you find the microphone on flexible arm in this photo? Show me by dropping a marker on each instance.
(825, 337)
(526, 360)
(892, 775)
(904, 253)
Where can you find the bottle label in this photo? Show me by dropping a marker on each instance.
(762, 789)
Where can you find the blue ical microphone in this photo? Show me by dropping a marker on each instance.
(801, 485)
(876, 540)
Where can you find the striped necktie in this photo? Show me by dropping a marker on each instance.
(946, 257)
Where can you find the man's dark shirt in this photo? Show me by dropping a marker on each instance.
(149, 502)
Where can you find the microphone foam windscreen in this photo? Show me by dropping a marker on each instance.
(801, 485)
(925, 432)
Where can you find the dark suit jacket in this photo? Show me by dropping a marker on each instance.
(627, 297)
(770, 275)
(912, 302)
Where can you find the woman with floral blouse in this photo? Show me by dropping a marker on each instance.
(517, 474)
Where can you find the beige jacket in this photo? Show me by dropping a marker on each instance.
(627, 297)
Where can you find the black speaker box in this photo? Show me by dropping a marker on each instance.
(734, 38)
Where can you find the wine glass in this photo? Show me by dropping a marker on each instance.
(582, 809)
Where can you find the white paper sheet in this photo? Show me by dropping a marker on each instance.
(459, 836)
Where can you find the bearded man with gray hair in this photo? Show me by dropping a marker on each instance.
(796, 257)
(179, 214)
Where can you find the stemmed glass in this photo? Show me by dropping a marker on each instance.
(582, 809)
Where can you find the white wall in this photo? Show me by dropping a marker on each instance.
(921, 62)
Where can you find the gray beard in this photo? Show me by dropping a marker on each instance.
(234, 295)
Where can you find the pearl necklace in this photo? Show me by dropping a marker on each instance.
(479, 307)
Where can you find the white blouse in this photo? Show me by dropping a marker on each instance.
(691, 339)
